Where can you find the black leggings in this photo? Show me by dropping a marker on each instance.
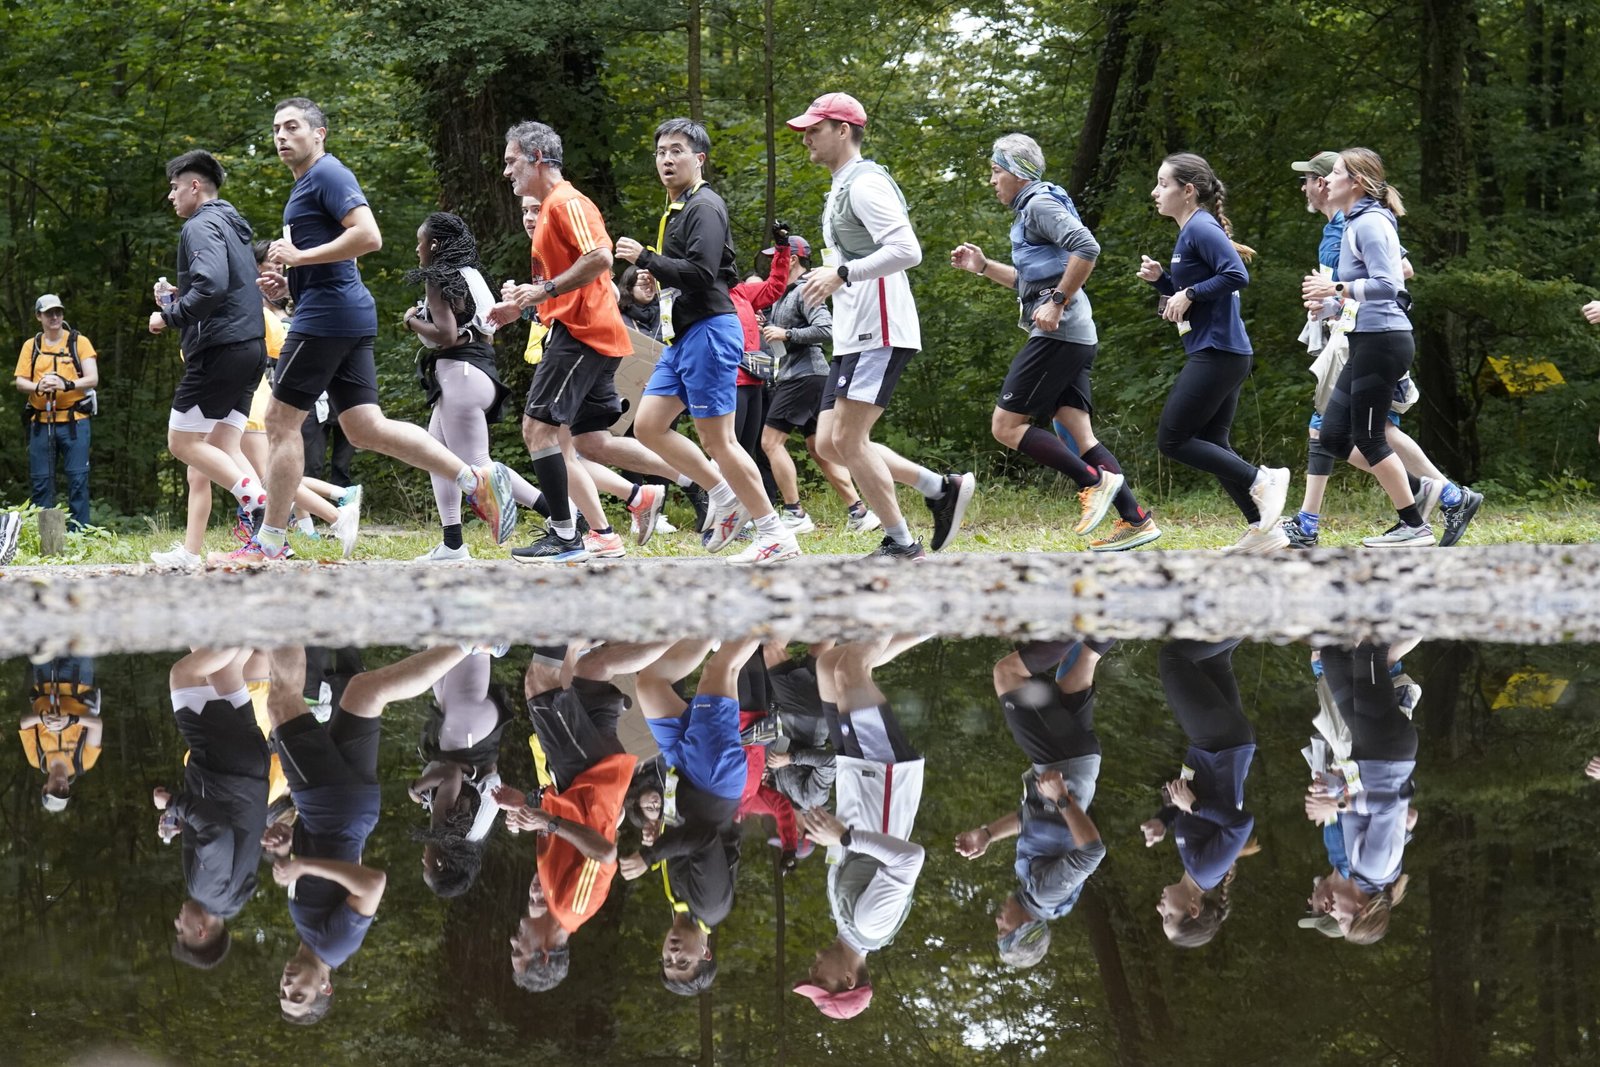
(1204, 694)
(1197, 417)
(1365, 695)
(1358, 410)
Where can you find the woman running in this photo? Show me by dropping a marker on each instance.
(1202, 298)
(1365, 298)
(458, 371)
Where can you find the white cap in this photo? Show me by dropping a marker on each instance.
(47, 302)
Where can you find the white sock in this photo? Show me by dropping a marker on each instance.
(929, 485)
(467, 479)
(900, 532)
(767, 525)
(567, 530)
(685, 482)
(722, 495)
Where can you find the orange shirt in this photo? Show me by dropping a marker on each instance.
(569, 227)
(575, 886)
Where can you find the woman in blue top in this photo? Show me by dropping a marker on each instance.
(1202, 291)
(1366, 297)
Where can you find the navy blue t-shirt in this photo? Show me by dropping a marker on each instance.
(1205, 260)
(335, 821)
(329, 298)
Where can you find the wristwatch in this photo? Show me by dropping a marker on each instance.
(1338, 288)
(1057, 297)
(549, 288)
(844, 273)
(1188, 294)
(1063, 802)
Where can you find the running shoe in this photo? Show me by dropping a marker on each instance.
(663, 526)
(604, 546)
(862, 523)
(1095, 500)
(950, 508)
(176, 556)
(768, 550)
(1428, 494)
(352, 493)
(552, 548)
(303, 526)
(1126, 535)
(889, 548)
(10, 530)
(439, 553)
(1258, 541)
(644, 511)
(1298, 538)
(701, 500)
(243, 529)
(796, 524)
(1458, 515)
(492, 502)
(1269, 491)
(723, 524)
(348, 525)
(1402, 536)
(249, 553)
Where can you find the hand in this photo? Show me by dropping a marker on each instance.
(1314, 289)
(276, 841)
(505, 313)
(1593, 768)
(160, 798)
(778, 759)
(969, 257)
(822, 826)
(1047, 316)
(819, 284)
(629, 249)
(1052, 786)
(273, 284)
(775, 334)
(414, 793)
(1149, 269)
(1180, 795)
(534, 820)
(284, 253)
(410, 313)
(780, 232)
(632, 866)
(787, 863)
(285, 870)
(158, 290)
(973, 843)
(1591, 311)
(1155, 831)
(1319, 809)
(508, 798)
(52, 383)
(55, 721)
(1328, 784)
(1177, 308)
(157, 323)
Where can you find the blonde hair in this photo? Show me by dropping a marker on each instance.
(1372, 922)
(1366, 170)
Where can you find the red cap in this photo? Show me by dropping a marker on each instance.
(845, 1005)
(840, 107)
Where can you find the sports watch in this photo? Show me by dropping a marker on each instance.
(844, 273)
(549, 288)
(1057, 297)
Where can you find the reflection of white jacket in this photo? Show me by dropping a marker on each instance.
(870, 884)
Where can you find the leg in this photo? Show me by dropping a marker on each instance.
(198, 452)
(1203, 693)
(838, 474)
(605, 479)
(738, 469)
(653, 427)
(368, 694)
(1377, 362)
(76, 467)
(1411, 454)
(580, 486)
(42, 464)
(627, 453)
(286, 460)
(775, 443)
(366, 427)
(446, 493)
(1196, 418)
(873, 467)
(199, 512)
(657, 698)
(612, 659)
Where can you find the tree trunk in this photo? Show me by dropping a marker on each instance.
(768, 46)
(1086, 165)
(697, 106)
(1113, 977)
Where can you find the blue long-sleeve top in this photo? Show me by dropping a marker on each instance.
(1210, 837)
(1370, 259)
(1205, 260)
(1332, 239)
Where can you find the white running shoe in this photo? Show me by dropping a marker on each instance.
(1258, 541)
(864, 523)
(10, 530)
(795, 524)
(723, 524)
(1269, 491)
(663, 526)
(1402, 536)
(176, 556)
(440, 554)
(348, 525)
(768, 550)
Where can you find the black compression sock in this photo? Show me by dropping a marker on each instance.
(1127, 507)
(452, 535)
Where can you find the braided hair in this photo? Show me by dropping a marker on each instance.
(461, 858)
(1215, 907)
(454, 250)
(1190, 169)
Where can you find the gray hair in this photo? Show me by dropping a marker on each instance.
(1021, 148)
(691, 131)
(535, 139)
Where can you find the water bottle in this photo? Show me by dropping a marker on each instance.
(168, 293)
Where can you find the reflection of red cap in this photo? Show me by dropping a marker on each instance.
(845, 1005)
(840, 107)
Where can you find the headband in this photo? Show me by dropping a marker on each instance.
(1022, 168)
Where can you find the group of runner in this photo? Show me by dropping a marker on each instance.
(1357, 325)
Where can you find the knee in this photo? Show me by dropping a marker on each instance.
(538, 435)
(1170, 440)
(1007, 428)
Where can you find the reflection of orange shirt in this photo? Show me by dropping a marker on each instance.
(45, 746)
(575, 886)
(569, 227)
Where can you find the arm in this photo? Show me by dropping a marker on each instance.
(879, 210)
(703, 231)
(365, 884)
(93, 729)
(360, 236)
(1378, 247)
(974, 843)
(1078, 821)
(91, 375)
(586, 840)
(441, 332)
(682, 840)
(585, 269)
(1227, 269)
(969, 257)
(208, 278)
(767, 293)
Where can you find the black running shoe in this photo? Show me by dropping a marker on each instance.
(949, 509)
(1298, 538)
(552, 548)
(702, 504)
(1458, 515)
(892, 549)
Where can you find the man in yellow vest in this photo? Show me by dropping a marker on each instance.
(58, 370)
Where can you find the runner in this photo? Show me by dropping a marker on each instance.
(327, 225)
(1053, 253)
(1202, 297)
(868, 247)
(458, 369)
(574, 381)
(694, 254)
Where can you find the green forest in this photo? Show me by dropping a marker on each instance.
(1481, 108)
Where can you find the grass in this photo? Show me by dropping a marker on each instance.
(1003, 517)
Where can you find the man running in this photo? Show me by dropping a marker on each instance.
(868, 247)
(327, 225)
(1053, 253)
(694, 254)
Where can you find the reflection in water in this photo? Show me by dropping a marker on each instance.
(745, 822)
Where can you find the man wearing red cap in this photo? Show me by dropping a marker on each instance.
(869, 246)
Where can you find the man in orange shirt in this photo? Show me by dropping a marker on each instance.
(573, 384)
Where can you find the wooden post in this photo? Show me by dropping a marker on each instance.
(52, 532)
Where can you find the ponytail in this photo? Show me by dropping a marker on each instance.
(1366, 170)
(1190, 169)
(1372, 922)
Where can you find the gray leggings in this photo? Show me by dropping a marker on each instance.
(463, 696)
(465, 393)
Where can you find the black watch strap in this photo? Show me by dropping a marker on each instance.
(1058, 298)
(844, 273)
(550, 288)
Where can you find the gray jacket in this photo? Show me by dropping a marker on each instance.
(218, 302)
(809, 329)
